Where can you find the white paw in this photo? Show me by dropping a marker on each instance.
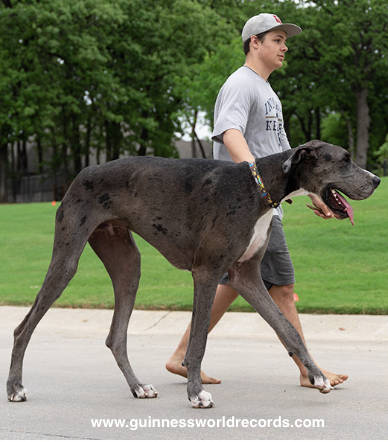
(19, 396)
(203, 400)
(323, 385)
(146, 392)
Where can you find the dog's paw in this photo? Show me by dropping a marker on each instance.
(19, 395)
(203, 400)
(145, 392)
(322, 384)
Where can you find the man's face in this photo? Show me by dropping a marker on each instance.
(273, 48)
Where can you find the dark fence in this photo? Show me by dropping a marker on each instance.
(37, 188)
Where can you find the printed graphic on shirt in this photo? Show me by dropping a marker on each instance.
(274, 117)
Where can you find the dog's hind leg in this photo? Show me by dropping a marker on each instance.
(66, 252)
(115, 246)
(205, 285)
(245, 278)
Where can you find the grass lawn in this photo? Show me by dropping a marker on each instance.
(339, 268)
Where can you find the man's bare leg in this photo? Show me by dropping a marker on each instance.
(225, 295)
(284, 299)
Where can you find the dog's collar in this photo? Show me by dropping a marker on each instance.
(261, 186)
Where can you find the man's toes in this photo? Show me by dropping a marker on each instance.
(208, 380)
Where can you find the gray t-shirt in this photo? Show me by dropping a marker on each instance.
(248, 103)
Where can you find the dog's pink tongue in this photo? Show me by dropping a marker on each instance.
(349, 208)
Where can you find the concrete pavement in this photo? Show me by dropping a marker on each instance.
(72, 379)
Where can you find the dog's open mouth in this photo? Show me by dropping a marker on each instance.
(338, 204)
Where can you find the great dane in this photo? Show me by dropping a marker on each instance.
(204, 216)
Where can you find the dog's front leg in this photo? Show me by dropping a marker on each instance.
(245, 278)
(205, 286)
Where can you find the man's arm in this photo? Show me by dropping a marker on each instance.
(237, 146)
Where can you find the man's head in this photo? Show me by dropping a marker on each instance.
(260, 24)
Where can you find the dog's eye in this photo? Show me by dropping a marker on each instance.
(346, 160)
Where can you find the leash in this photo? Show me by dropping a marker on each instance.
(259, 182)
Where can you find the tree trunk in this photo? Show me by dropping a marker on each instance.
(108, 143)
(3, 172)
(113, 139)
(40, 154)
(143, 142)
(318, 123)
(76, 145)
(87, 141)
(350, 134)
(193, 144)
(24, 162)
(200, 145)
(64, 147)
(363, 122)
(306, 129)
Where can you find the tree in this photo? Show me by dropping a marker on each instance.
(354, 48)
(117, 76)
(338, 64)
(54, 53)
(98, 74)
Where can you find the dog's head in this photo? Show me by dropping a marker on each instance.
(328, 170)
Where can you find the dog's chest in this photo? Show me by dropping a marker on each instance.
(259, 236)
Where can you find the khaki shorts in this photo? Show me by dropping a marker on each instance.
(276, 266)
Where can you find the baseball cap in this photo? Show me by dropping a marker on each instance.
(267, 22)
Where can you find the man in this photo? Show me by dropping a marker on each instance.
(248, 124)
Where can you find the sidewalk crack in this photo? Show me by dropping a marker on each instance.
(157, 322)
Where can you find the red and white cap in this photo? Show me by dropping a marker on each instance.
(267, 22)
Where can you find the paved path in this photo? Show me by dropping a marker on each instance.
(72, 378)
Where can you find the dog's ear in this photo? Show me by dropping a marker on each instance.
(303, 151)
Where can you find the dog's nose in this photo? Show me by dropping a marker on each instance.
(376, 181)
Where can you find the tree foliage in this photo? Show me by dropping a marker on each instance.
(98, 74)
(336, 66)
(108, 77)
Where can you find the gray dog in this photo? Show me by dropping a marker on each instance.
(204, 216)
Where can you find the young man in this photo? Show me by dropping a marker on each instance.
(248, 124)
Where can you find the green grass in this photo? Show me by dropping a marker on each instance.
(339, 268)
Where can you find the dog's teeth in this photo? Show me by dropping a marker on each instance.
(336, 197)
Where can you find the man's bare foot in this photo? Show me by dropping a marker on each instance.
(174, 366)
(335, 379)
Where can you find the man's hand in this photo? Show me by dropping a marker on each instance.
(320, 209)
